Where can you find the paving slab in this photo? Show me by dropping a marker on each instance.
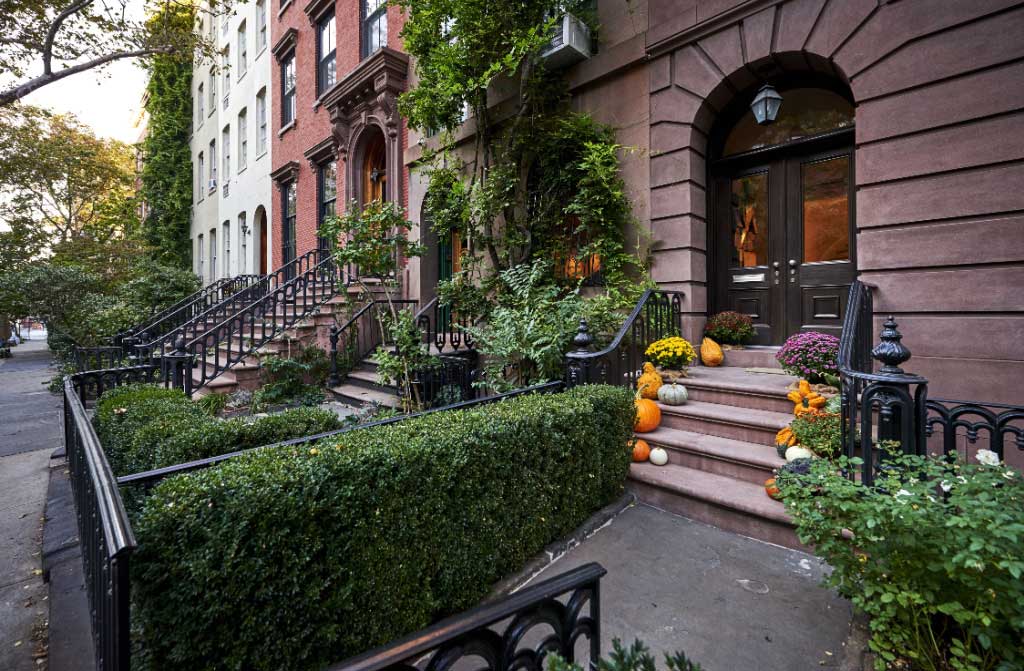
(727, 601)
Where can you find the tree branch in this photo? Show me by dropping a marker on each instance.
(51, 34)
(18, 92)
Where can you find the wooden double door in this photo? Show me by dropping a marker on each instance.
(783, 222)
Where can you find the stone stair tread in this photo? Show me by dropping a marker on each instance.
(719, 490)
(369, 376)
(714, 446)
(730, 414)
(225, 379)
(738, 380)
(366, 394)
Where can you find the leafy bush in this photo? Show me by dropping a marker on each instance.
(810, 355)
(145, 427)
(730, 328)
(935, 558)
(293, 558)
(635, 658)
(819, 432)
(297, 378)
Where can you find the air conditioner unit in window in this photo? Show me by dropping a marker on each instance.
(570, 43)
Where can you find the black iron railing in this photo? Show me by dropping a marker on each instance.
(98, 358)
(448, 379)
(104, 532)
(90, 385)
(562, 609)
(657, 315)
(360, 336)
(884, 403)
(443, 329)
(246, 329)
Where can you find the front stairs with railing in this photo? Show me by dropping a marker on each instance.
(721, 447)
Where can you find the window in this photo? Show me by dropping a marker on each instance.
(213, 90)
(225, 66)
(243, 230)
(327, 195)
(225, 143)
(288, 230)
(213, 165)
(288, 89)
(213, 254)
(375, 26)
(225, 234)
(224, 20)
(243, 140)
(243, 51)
(326, 63)
(202, 105)
(261, 119)
(200, 175)
(201, 257)
(261, 25)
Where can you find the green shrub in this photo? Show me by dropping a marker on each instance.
(123, 412)
(297, 378)
(295, 557)
(936, 557)
(819, 432)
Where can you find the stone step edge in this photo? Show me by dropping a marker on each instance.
(719, 413)
(715, 447)
(709, 487)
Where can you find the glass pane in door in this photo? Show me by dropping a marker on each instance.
(749, 200)
(825, 191)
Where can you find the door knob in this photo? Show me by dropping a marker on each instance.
(775, 265)
(792, 263)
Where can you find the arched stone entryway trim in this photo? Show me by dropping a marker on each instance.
(691, 82)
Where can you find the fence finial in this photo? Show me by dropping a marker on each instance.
(583, 340)
(890, 351)
(179, 345)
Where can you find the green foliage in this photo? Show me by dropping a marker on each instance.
(294, 378)
(167, 164)
(635, 658)
(213, 404)
(375, 238)
(935, 558)
(819, 432)
(404, 354)
(730, 328)
(142, 427)
(324, 551)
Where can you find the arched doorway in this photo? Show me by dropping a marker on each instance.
(374, 168)
(262, 246)
(782, 210)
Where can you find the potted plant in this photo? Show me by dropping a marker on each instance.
(729, 329)
(672, 356)
(811, 356)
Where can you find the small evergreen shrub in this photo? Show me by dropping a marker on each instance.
(297, 557)
(811, 356)
(819, 432)
(730, 328)
(636, 657)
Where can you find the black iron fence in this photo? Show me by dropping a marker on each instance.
(657, 315)
(104, 532)
(443, 328)
(883, 403)
(496, 636)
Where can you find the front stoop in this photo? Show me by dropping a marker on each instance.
(721, 447)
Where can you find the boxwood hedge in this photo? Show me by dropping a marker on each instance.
(142, 427)
(296, 557)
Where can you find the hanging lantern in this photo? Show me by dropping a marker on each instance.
(766, 105)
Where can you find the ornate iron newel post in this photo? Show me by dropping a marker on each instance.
(176, 367)
(892, 407)
(334, 380)
(577, 365)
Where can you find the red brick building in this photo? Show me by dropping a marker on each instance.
(336, 133)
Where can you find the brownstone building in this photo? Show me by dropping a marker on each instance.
(895, 158)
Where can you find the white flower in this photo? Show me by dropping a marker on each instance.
(987, 457)
(1009, 475)
(902, 493)
(946, 485)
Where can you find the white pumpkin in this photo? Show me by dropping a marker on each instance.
(672, 394)
(659, 457)
(797, 452)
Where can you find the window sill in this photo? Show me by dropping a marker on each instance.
(284, 8)
(259, 156)
(241, 75)
(261, 51)
(242, 169)
(287, 127)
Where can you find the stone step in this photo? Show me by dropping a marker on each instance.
(752, 356)
(739, 387)
(726, 421)
(365, 377)
(724, 502)
(736, 459)
(354, 394)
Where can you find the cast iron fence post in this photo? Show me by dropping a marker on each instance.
(580, 373)
(334, 379)
(176, 368)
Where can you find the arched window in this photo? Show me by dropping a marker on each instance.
(805, 112)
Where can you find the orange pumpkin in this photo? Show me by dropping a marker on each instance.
(641, 450)
(648, 415)
(710, 353)
(772, 489)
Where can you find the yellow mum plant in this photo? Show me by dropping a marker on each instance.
(675, 353)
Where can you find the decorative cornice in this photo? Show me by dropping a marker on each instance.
(322, 152)
(376, 82)
(288, 172)
(285, 44)
(316, 9)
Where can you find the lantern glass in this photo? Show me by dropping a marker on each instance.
(766, 105)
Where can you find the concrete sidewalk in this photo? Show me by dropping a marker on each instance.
(727, 601)
(29, 433)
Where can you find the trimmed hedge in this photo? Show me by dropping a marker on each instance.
(293, 558)
(142, 427)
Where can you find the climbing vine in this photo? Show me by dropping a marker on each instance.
(167, 162)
